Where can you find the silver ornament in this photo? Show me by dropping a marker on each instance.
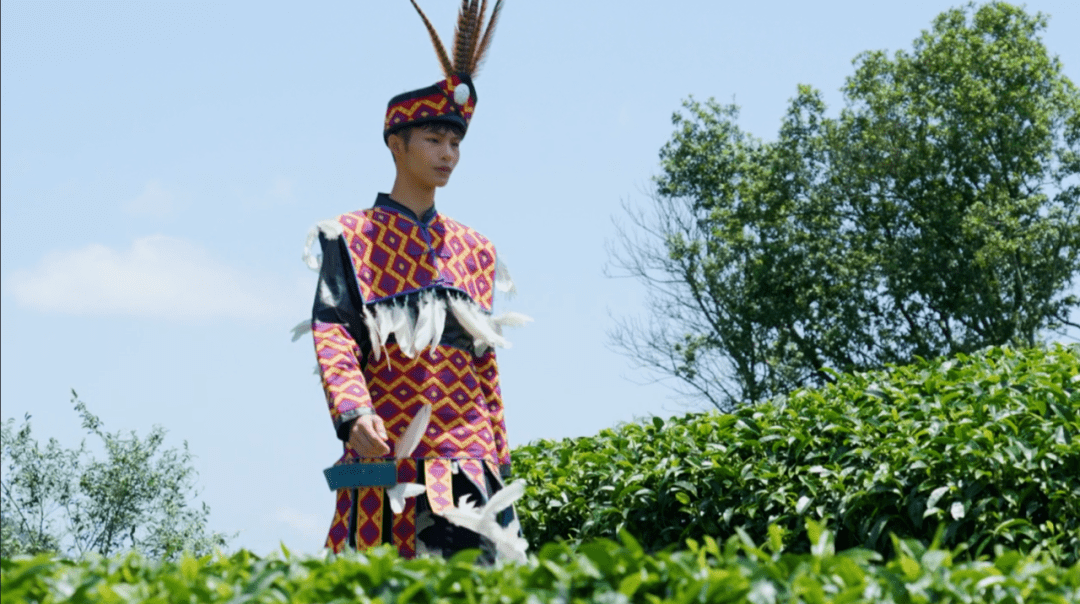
(461, 94)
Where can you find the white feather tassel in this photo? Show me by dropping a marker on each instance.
(373, 333)
(332, 229)
(503, 281)
(413, 434)
(398, 493)
(404, 328)
(509, 319)
(474, 322)
(425, 321)
(301, 328)
(312, 261)
(403, 448)
(482, 521)
(439, 318)
(384, 322)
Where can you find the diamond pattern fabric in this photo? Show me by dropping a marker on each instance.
(395, 255)
(391, 255)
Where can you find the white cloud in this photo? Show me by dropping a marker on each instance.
(159, 276)
(154, 201)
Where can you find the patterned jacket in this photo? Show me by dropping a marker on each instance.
(402, 318)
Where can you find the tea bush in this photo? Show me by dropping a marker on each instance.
(984, 448)
(600, 571)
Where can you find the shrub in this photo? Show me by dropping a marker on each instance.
(984, 448)
(55, 499)
(601, 571)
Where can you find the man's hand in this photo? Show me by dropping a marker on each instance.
(368, 436)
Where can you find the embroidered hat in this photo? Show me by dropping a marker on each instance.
(453, 99)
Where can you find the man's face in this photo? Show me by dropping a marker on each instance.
(429, 157)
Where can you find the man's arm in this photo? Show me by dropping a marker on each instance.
(340, 338)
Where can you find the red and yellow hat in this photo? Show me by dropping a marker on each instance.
(451, 100)
(454, 98)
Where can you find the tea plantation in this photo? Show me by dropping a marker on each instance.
(985, 449)
(949, 481)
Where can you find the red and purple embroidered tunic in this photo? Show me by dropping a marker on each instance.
(386, 344)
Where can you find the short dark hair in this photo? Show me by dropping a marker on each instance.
(438, 127)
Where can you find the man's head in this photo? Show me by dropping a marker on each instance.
(426, 154)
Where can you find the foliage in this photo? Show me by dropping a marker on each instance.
(985, 448)
(601, 571)
(937, 214)
(64, 500)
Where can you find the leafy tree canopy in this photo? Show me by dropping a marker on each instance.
(936, 215)
(63, 500)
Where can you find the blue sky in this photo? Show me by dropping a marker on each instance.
(163, 161)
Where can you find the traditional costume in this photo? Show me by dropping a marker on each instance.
(403, 327)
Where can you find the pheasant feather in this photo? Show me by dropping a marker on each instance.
(465, 34)
(477, 33)
(440, 50)
(485, 41)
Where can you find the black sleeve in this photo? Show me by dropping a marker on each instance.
(337, 300)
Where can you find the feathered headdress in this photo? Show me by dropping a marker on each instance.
(453, 99)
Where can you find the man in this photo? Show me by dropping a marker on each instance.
(403, 328)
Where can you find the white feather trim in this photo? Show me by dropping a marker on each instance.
(439, 320)
(503, 281)
(403, 448)
(332, 229)
(373, 333)
(482, 521)
(416, 334)
(404, 329)
(384, 323)
(509, 544)
(505, 497)
(300, 329)
(473, 320)
(425, 321)
(413, 434)
(398, 493)
(325, 295)
(509, 319)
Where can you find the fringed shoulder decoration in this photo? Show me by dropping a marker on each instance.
(471, 38)
(503, 281)
(332, 229)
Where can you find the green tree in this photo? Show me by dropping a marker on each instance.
(937, 214)
(64, 500)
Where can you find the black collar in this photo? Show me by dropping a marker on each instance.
(383, 200)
